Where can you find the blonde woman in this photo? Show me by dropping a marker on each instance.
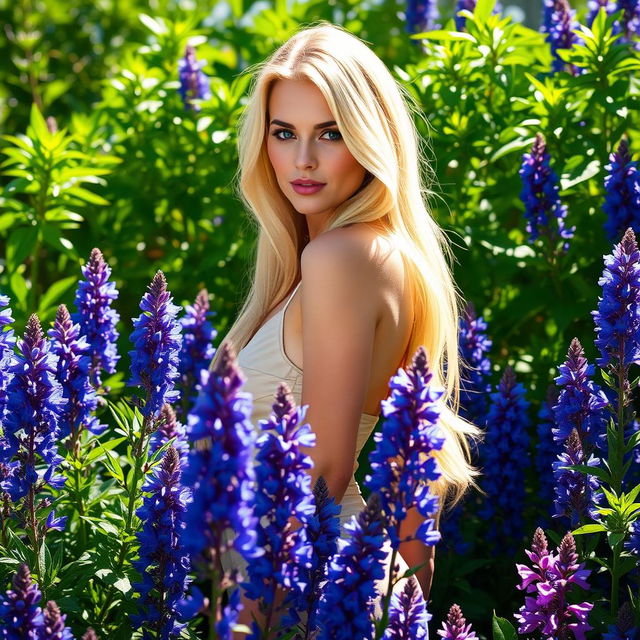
(351, 273)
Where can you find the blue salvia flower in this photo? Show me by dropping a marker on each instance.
(593, 6)
(451, 524)
(283, 490)
(31, 424)
(559, 29)
(157, 340)
(505, 454)
(53, 627)
(96, 317)
(474, 345)
(408, 616)
(624, 628)
(20, 615)
(197, 342)
(194, 84)
(470, 5)
(622, 192)
(348, 604)
(581, 403)
(73, 374)
(577, 494)
(170, 427)
(220, 470)
(546, 448)
(323, 531)
(617, 319)
(455, 627)
(403, 461)
(163, 562)
(229, 617)
(540, 197)
(632, 545)
(421, 16)
(630, 27)
(7, 343)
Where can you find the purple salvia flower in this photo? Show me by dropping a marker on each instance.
(90, 634)
(624, 628)
(170, 427)
(20, 616)
(73, 374)
(594, 6)
(581, 403)
(53, 627)
(540, 197)
(505, 456)
(95, 316)
(224, 626)
(408, 616)
(421, 16)
(559, 30)
(220, 469)
(283, 490)
(403, 462)
(451, 524)
(474, 345)
(157, 340)
(323, 531)
(546, 448)
(163, 561)
(455, 627)
(470, 5)
(617, 319)
(194, 84)
(197, 344)
(630, 27)
(7, 344)
(348, 604)
(622, 192)
(577, 494)
(34, 406)
(550, 579)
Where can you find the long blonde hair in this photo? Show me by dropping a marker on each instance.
(375, 122)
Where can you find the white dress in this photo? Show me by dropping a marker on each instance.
(264, 363)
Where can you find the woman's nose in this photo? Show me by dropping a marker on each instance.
(305, 157)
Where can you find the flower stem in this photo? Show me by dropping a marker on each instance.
(384, 621)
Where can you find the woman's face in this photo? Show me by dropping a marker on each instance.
(299, 149)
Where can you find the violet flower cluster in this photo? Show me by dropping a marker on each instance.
(170, 427)
(474, 345)
(622, 192)
(455, 627)
(72, 372)
(194, 84)
(577, 495)
(31, 424)
(505, 456)
(540, 197)
(617, 319)
(403, 461)
(581, 403)
(53, 627)
(157, 340)
(551, 578)
(624, 628)
(197, 342)
(96, 317)
(348, 604)
(408, 616)
(323, 531)
(163, 561)
(20, 615)
(559, 25)
(283, 491)
(220, 468)
(421, 16)
(7, 344)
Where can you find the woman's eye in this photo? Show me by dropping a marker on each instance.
(276, 134)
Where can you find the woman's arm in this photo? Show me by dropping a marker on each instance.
(415, 552)
(339, 314)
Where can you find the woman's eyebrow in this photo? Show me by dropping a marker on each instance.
(318, 126)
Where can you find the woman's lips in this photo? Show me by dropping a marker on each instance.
(306, 191)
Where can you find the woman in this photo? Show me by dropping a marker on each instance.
(351, 275)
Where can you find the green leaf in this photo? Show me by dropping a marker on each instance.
(38, 123)
(19, 289)
(86, 195)
(20, 244)
(156, 26)
(55, 292)
(502, 628)
(589, 528)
